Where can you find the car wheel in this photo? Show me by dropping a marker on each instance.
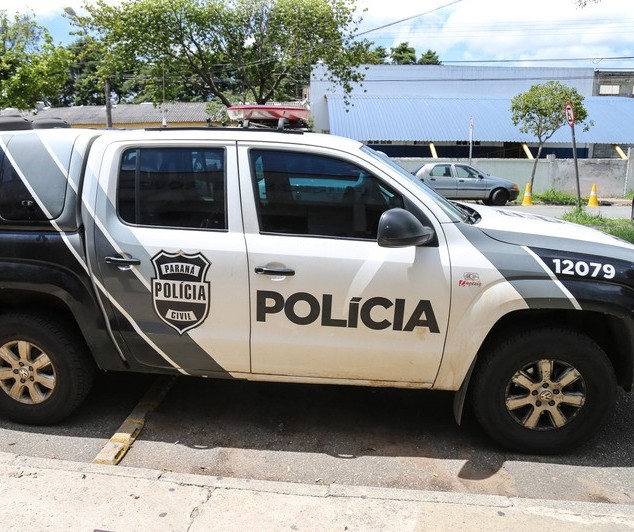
(44, 371)
(499, 197)
(544, 391)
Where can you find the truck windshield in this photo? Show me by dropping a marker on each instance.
(452, 211)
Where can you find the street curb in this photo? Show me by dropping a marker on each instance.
(546, 507)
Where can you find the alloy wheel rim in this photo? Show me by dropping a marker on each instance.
(545, 395)
(27, 374)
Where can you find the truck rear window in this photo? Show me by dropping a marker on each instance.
(173, 187)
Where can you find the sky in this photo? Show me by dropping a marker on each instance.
(477, 32)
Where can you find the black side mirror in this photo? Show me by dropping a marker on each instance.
(399, 228)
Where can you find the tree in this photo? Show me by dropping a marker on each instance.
(429, 58)
(31, 67)
(540, 111)
(403, 54)
(261, 49)
(377, 56)
(84, 83)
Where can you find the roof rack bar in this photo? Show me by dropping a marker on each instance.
(245, 127)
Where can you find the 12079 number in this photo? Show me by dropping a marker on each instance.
(581, 268)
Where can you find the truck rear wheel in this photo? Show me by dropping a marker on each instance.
(544, 391)
(44, 372)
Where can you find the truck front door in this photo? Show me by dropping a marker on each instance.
(327, 301)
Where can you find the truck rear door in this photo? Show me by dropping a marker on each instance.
(169, 256)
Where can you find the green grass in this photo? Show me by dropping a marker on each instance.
(619, 227)
(556, 197)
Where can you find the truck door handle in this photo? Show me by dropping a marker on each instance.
(274, 271)
(123, 262)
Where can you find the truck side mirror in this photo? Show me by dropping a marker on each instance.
(399, 228)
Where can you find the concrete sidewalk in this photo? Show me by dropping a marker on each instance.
(45, 494)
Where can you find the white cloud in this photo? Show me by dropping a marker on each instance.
(41, 8)
(468, 29)
(502, 29)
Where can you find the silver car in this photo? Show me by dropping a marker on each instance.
(461, 181)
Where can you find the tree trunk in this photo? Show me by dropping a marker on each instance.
(539, 152)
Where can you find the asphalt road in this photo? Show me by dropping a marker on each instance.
(330, 435)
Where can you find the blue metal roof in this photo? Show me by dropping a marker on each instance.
(422, 118)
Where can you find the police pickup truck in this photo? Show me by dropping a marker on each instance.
(296, 257)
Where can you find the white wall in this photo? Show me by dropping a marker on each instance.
(613, 177)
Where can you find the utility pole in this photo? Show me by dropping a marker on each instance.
(570, 117)
(470, 137)
(107, 91)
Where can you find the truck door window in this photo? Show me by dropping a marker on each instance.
(303, 193)
(173, 187)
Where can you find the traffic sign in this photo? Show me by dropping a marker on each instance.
(570, 114)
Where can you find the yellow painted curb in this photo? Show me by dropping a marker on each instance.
(113, 452)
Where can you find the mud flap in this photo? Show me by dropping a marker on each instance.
(461, 395)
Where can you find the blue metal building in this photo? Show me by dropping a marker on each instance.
(433, 110)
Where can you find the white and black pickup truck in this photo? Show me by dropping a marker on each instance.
(295, 257)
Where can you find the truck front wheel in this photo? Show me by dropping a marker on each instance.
(544, 391)
(44, 371)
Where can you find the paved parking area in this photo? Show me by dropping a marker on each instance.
(329, 435)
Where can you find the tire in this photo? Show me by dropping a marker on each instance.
(44, 371)
(545, 391)
(499, 197)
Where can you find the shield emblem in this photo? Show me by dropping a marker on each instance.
(180, 291)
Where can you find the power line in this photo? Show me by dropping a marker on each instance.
(406, 19)
(553, 60)
(524, 26)
(472, 79)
